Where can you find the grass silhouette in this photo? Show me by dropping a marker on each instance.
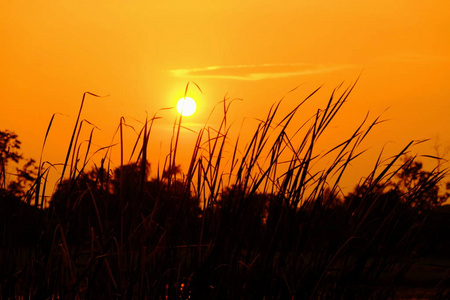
(253, 225)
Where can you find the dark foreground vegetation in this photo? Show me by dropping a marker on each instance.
(246, 224)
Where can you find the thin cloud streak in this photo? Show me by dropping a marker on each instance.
(258, 72)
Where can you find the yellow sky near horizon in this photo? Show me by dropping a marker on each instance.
(143, 53)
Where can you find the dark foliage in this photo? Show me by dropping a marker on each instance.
(268, 234)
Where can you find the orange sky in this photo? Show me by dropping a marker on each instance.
(143, 53)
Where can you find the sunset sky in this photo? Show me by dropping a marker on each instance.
(143, 53)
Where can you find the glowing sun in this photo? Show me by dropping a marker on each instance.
(186, 106)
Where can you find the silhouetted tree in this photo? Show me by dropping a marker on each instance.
(9, 146)
(18, 220)
(83, 204)
(9, 153)
(419, 187)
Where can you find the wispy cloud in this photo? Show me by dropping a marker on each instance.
(258, 72)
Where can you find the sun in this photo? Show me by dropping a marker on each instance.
(186, 106)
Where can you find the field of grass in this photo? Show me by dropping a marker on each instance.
(258, 221)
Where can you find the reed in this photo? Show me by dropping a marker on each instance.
(262, 223)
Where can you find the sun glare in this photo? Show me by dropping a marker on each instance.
(186, 106)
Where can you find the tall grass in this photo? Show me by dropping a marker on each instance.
(253, 221)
